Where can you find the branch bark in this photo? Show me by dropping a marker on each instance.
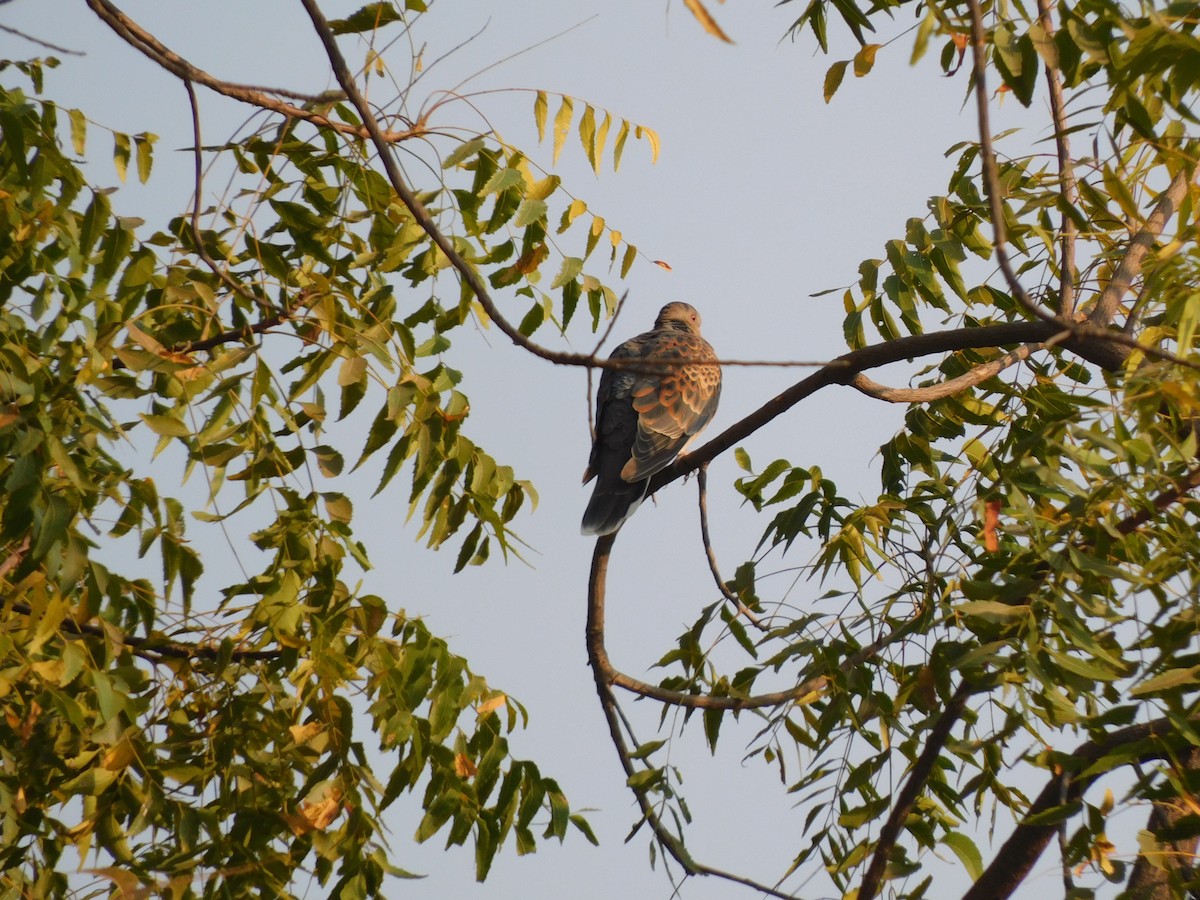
(1151, 877)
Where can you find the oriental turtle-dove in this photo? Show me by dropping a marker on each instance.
(647, 412)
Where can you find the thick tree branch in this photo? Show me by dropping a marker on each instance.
(1131, 262)
(843, 370)
(1151, 876)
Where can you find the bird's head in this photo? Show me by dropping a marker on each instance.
(679, 317)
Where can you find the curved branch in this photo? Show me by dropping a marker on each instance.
(1021, 851)
(598, 660)
(969, 379)
(843, 370)
(147, 44)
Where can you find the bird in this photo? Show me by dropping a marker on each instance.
(646, 414)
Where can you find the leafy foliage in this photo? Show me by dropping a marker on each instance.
(193, 754)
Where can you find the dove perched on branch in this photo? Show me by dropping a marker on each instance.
(647, 413)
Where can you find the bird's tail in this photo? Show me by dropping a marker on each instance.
(611, 504)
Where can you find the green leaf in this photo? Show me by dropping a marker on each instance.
(166, 426)
(966, 851)
(366, 18)
(529, 212)
(144, 144)
(1166, 681)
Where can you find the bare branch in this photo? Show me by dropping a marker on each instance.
(977, 375)
(1131, 262)
(598, 660)
(37, 40)
(265, 98)
(1066, 174)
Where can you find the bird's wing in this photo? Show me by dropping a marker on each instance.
(672, 407)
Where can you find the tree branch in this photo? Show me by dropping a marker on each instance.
(153, 648)
(917, 779)
(1096, 324)
(147, 44)
(1131, 262)
(598, 660)
(743, 610)
(1151, 876)
(969, 379)
(1066, 174)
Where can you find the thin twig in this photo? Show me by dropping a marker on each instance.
(991, 179)
(37, 40)
(742, 608)
(197, 236)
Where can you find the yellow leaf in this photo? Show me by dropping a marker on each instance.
(864, 60)
(302, 734)
(704, 17)
(491, 704)
(540, 105)
(652, 137)
(119, 755)
(562, 124)
(463, 767)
